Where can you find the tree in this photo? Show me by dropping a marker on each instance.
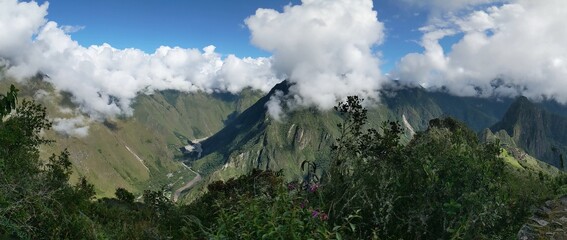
(124, 196)
(444, 184)
(36, 199)
(8, 101)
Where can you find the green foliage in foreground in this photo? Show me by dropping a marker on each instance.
(444, 184)
(36, 200)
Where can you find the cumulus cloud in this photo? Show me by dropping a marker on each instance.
(323, 47)
(76, 127)
(437, 7)
(517, 48)
(18, 23)
(104, 80)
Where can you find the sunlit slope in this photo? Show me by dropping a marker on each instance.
(137, 152)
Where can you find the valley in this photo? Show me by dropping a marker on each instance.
(234, 135)
(165, 150)
(303, 119)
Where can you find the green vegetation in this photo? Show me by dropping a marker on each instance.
(539, 132)
(36, 200)
(109, 157)
(443, 184)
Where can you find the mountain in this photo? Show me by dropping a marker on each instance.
(234, 132)
(138, 152)
(538, 131)
(420, 106)
(256, 140)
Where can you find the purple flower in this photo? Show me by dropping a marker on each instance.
(314, 187)
(314, 213)
(291, 186)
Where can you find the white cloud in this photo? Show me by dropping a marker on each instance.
(516, 48)
(274, 105)
(18, 23)
(72, 29)
(76, 127)
(324, 47)
(437, 7)
(103, 80)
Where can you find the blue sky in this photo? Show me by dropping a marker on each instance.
(325, 47)
(148, 24)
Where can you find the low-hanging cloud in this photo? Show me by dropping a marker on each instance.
(104, 80)
(514, 49)
(75, 127)
(324, 47)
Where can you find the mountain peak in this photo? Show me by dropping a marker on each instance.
(534, 129)
(283, 87)
(524, 103)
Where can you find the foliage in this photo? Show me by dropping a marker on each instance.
(444, 184)
(36, 200)
(279, 213)
(8, 101)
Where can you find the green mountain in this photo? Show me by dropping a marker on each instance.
(255, 140)
(419, 106)
(539, 132)
(235, 132)
(138, 152)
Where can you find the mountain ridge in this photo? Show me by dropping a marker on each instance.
(541, 133)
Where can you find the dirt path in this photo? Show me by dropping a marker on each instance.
(186, 186)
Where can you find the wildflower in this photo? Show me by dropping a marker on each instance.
(314, 213)
(291, 186)
(314, 187)
(324, 216)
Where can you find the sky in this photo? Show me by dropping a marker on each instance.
(105, 53)
(149, 24)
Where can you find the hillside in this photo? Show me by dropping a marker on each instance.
(135, 152)
(420, 106)
(539, 132)
(255, 140)
(444, 172)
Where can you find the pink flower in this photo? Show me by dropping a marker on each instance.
(314, 187)
(324, 217)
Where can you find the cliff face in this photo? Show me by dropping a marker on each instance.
(255, 140)
(540, 133)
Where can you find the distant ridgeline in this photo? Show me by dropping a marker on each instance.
(225, 135)
(385, 168)
(255, 140)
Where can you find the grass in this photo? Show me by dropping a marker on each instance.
(102, 156)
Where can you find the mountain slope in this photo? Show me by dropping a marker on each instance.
(136, 152)
(419, 105)
(255, 140)
(534, 129)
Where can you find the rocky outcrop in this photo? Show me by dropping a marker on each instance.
(548, 222)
